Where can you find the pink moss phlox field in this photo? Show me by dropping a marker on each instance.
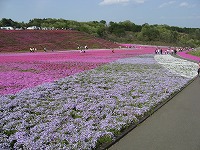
(22, 40)
(30, 37)
(25, 70)
(185, 54)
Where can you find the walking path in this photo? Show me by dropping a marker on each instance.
(176, 126)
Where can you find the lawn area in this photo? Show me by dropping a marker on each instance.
(195, 52)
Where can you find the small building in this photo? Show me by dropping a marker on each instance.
(33, 28)
(7, 28)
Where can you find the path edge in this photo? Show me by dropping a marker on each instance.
(146, 115)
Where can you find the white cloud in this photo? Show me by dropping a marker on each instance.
(185, 4)
(191, 17)
(139, 1)
(171, 3)
(111, 2)
(167, 4)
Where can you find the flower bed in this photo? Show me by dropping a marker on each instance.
(22, 40)
(185, 54)
(178, 66)
(25, 70)
(89, 108)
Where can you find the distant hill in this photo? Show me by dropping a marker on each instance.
(23, 40)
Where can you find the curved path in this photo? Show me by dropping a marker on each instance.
(176, 126)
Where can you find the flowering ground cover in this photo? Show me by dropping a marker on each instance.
(22, 40)
(25, 70)
(91, 107)
(180, 66)
(186, 55)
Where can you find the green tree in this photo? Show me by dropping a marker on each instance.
(7, 22)
(150, 33)
(101, 32)
(116, 29)
(103, 22)
(191, 43)
(174, 37)
(165, 34)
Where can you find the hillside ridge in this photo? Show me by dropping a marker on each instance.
(23, 40)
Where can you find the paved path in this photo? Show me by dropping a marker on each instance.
(175, 126)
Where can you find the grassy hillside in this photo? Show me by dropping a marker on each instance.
(195, 52)
(22, 40)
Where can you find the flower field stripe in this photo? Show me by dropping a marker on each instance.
(25, 70)
(185, 54)
(178, 66)
(87, 109)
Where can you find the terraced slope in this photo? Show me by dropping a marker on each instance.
(22, 40)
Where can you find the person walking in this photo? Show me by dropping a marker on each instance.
(199, 69)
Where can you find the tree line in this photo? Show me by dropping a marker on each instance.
(125, 31)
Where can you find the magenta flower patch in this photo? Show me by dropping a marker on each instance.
(185, 54)
(24, 70)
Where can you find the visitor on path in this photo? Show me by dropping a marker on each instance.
(82, 51)
(172, 51)
(199, 69)
(161, 51)
(45, 49)
(175, 51)
(32, 50)
(156, 51)
(168, 50)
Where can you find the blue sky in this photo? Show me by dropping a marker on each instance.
(181, 13)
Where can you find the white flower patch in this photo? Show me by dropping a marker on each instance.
(178, 66)
(137, 60)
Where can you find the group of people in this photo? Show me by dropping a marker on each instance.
(82, 50)
(171, 50)
(32, 50)
(167, 51)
